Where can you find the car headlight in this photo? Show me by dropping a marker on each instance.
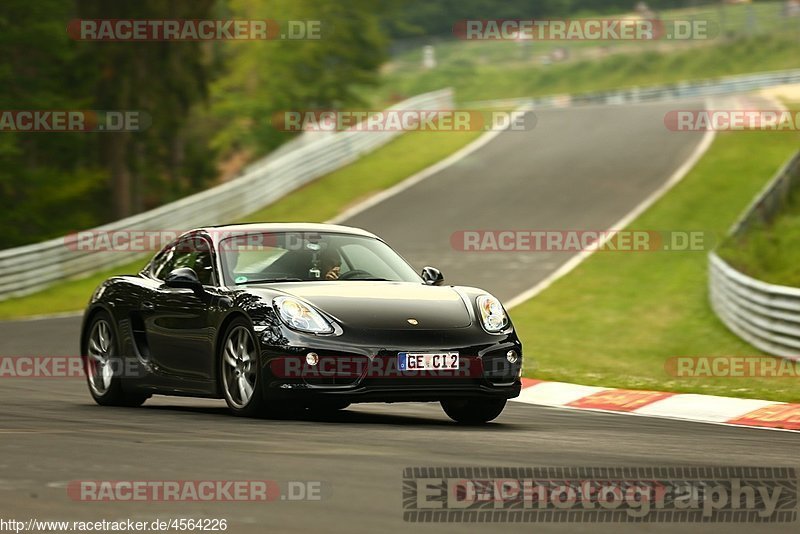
(301, 316)
(493, 316)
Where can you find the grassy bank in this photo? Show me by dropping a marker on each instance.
(617, 319)
(770, 252)
(475, 79)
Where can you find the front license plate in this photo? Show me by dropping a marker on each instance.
(427, 361)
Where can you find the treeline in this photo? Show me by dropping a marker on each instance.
(210, 103)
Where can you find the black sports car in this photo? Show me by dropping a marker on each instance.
(297, 316)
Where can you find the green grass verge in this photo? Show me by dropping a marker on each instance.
(618, 318)
(474, 79)
(770, 252)
(315, 202)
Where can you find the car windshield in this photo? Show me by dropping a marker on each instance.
(260, 257)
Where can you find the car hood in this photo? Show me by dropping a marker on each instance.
(385, 305)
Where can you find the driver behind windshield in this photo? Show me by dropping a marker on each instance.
(330, 264)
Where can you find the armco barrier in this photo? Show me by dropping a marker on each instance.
(32, 267)
(765, 315)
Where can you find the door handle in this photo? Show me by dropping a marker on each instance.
(148, 305)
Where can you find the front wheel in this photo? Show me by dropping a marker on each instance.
(241, 382)
(473, 411)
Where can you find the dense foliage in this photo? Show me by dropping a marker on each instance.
(210, 102)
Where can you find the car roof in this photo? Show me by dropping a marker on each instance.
(220, 232)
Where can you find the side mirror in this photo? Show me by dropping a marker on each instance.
(184, 278)
(432, 276)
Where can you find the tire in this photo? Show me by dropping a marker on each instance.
(101, 358)
(473, 411)
(239, 373)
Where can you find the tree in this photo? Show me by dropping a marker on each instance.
(266, 77)
(162, 79)
(204, 98)
(44, 177)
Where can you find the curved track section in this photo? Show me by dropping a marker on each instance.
(579, 169)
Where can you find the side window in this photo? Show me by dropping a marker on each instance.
(162, 264)
(185, 254)
(193, 252)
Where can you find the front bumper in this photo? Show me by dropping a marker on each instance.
(360, 370)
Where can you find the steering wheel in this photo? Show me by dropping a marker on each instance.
(355, 273)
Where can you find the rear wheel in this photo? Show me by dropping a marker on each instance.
(473, 411)
(103, 366)
(241, 382)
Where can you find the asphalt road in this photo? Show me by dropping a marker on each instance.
(579, 169)
(53, 434)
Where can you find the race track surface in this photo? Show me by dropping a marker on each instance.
(579, 169)
(53, 434)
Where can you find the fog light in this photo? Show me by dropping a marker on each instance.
(312, 358)
(512, 356)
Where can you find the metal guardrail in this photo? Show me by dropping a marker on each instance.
(33, 267)
(765, 315)
(702, 88)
